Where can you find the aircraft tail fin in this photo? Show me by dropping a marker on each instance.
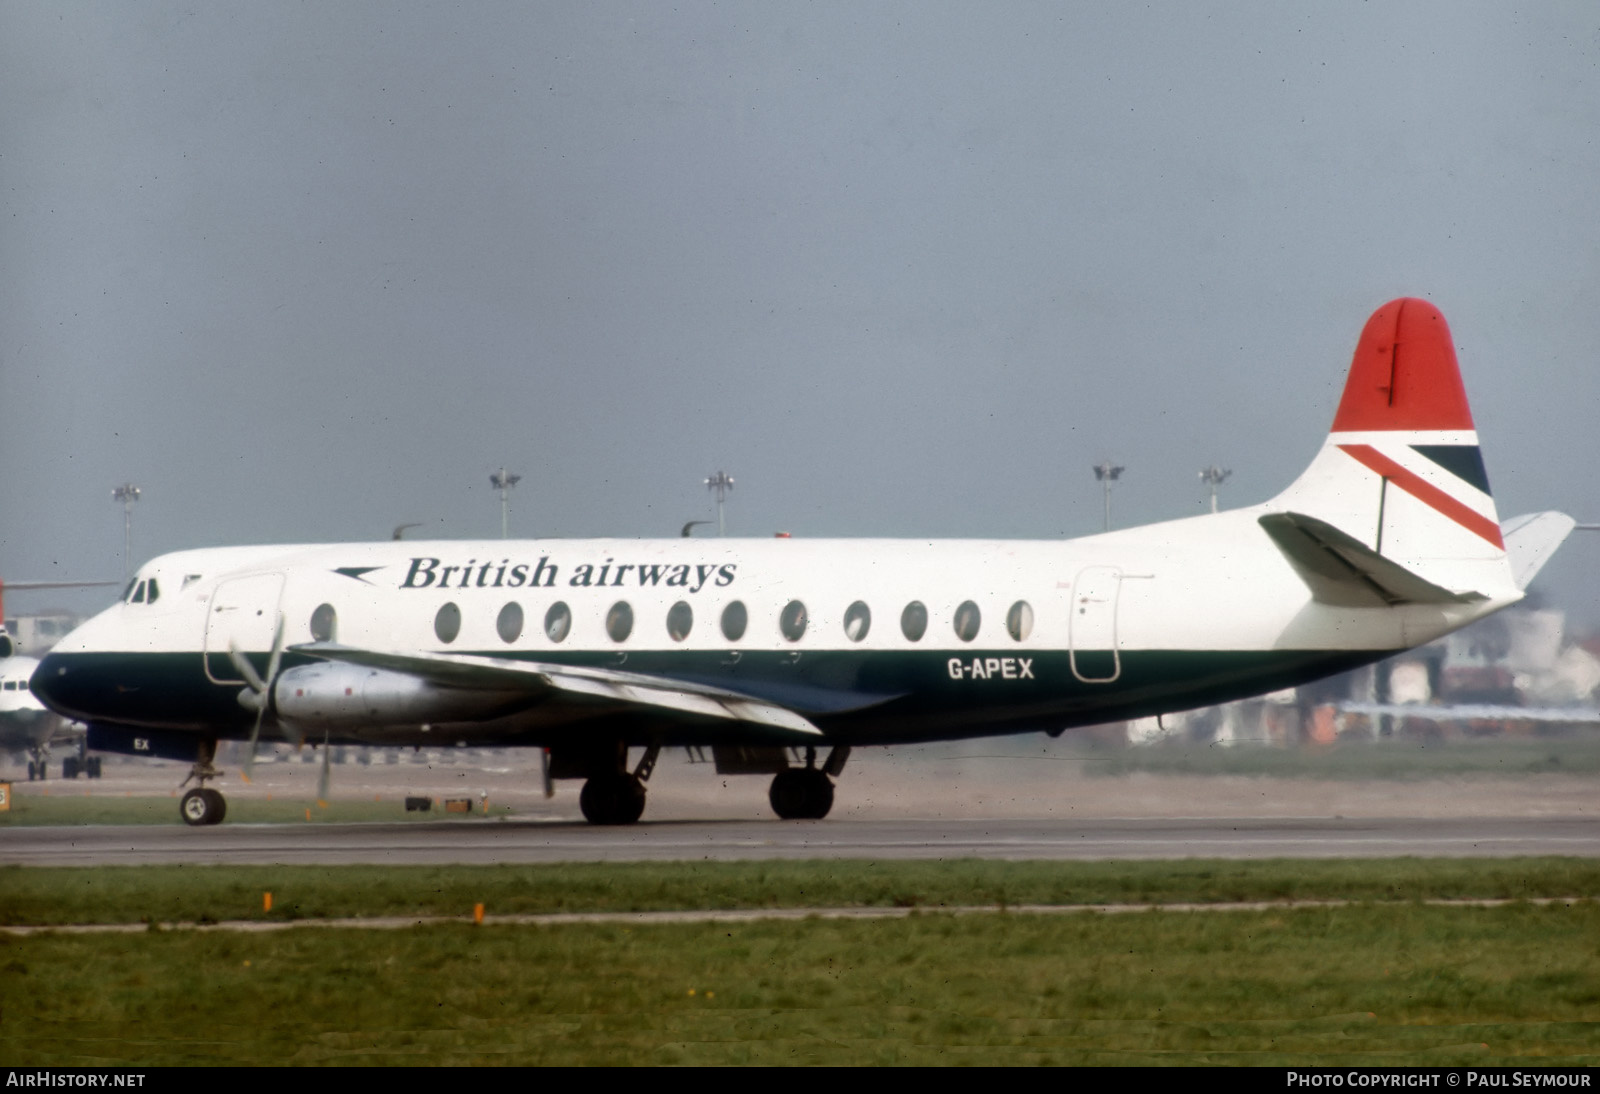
(1401, 474)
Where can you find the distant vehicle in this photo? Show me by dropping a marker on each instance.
(763, 650)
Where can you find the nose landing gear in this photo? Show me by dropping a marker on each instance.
(202, 805)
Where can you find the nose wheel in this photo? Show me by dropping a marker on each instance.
(203, 806)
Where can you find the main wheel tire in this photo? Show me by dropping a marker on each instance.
(202, 806)
(93, 766)
(612, 799)
(69, 768)
(33, 771)
(801, 793)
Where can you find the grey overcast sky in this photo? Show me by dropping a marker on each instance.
(304, 272)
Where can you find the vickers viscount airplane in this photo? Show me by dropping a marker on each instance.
(764, 649)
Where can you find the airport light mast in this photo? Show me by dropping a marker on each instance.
(503, 482)
(1214, 477)
(127, 494)
(719, 484)
(1107, 473)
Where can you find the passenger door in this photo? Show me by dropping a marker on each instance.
(243, 611)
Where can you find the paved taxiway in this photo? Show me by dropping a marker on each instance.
(519, 841)
(891, 804)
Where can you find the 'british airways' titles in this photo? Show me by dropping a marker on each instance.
(432, 573)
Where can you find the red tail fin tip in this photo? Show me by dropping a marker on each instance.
(1404, 374)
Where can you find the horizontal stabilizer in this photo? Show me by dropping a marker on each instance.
(1342, 571)
(577, 684)
(1530, 541)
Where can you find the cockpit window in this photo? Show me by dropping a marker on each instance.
(138, 594)
(155, 591)
(127, 594)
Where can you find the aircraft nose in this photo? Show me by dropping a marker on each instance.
(51, 683)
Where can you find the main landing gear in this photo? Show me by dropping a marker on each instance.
(612, 799)
(613, 795)
(806, 793)
(617, 797)
(202, 805)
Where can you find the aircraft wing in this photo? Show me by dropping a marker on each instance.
(594, 685)
(1343, 571)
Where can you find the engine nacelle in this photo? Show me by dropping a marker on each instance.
(341, 698)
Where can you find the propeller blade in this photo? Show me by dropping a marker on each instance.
(323, 779)
(293, 733)
(277, 651)
(263, 690)
(242, 664)
(544, 771)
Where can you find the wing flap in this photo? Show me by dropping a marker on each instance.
(1342, 571)
(542, 680)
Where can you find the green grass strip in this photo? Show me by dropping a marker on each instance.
(1384, 984)
(102, 894)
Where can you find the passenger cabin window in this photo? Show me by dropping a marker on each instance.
(857, 621)
(447, 623)
(967, 621)
(792, 621)
(557, 622)
(325, 623)
(619, 621)
(914, 621)
(734, 620)
(680, 620)
(1019, 620)
(509, 622)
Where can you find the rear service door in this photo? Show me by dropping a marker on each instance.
(1093, 639)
